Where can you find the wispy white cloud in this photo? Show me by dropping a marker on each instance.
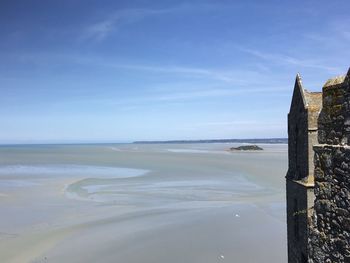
(232, 76)
(289, 60)
(170, 97)
(191, 82)
(339, 28)
(332, 42)
(207, 93)
(335, 35)
(101, 29)
(251, 78)
(222, 75)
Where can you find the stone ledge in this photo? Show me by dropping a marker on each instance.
(306, 183)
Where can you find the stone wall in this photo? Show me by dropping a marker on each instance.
(334, 119)
(299, 198)
(298, 154)
(329, 230)
(302, 135)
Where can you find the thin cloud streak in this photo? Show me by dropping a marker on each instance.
(340, 27)
(235, 80)
(214, 74)
(171, 97)
(288, 60)
(229, 76)
(102, 29)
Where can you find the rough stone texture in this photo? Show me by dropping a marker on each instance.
(300, 199)
(302, 135)
(329, 230)
(318, 178)
(302, 131)
(334, 119)
(329, 239)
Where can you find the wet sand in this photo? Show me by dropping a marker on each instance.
(142, 203)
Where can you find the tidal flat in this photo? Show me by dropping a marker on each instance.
(142, 203)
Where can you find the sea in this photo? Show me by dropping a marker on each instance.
(194, 202)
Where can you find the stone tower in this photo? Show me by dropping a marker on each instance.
(329, 231)
(302, 135)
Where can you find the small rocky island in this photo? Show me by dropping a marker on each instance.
(246, 148)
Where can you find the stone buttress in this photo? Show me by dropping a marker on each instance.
(302, 135)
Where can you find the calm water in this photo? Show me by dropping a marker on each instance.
(65, 185)
(127, 173)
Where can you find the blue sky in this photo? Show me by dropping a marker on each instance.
(99, 71)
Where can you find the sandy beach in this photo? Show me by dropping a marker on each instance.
(142, 203)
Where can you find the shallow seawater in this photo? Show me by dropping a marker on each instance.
(137, 191)
(50, 170)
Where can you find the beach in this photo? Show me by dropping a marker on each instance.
(142, 203)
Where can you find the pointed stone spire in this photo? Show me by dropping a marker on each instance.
(299, 82)
(298, 79)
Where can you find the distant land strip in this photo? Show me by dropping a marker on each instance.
(263, 140)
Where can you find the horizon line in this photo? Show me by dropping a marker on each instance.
(143, 141)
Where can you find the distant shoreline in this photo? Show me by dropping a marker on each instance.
(260, 140)
(263, 140)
